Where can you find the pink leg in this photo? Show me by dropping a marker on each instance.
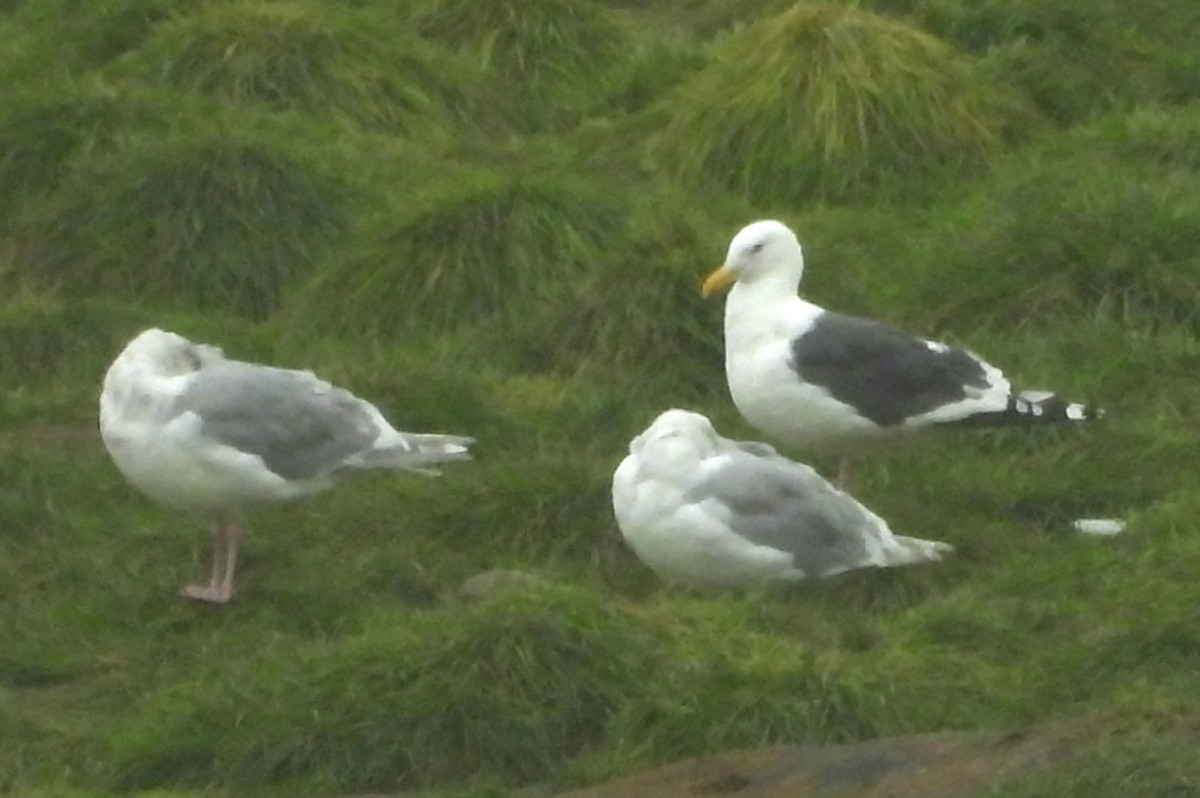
(843, 480)
(233, 538)
(220, 586)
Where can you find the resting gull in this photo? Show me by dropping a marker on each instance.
(704, 510)
(810, 377)
(202, 433)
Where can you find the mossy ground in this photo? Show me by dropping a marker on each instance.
(540, 292)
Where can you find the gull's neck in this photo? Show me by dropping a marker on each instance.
(760, 307)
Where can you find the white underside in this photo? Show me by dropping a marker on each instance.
(683, 543)
(174, 465)
(760, 326)
(168, 458)
(680, 527)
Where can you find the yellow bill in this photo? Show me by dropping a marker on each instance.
(719, 280)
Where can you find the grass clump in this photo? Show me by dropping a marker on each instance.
(555, 57)
(299, 56)
(1074, 60)
(509, 687)
(1106, 228)
(824, 101)
(752, 689)
(41, 337)
(639, 305)
(42, 130)
(470, 246)
(85, 35)
(1142, 762)
(210, 214)
(702, 19)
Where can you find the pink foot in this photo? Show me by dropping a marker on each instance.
(217, 594)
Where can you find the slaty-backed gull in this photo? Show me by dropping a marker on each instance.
(809, 377)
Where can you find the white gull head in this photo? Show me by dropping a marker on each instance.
(766, 249)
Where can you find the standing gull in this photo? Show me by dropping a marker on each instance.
(810, 377)
(708, 511)
(202, 433)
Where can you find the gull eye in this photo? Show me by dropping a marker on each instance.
(757, 248)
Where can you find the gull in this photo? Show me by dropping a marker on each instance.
(707, 511)
(810, 377)
(199, 432)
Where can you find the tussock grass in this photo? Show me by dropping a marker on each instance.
(759, 688)
(703, 19)
(824, 101)
(1074, 60)
(44, 340)
(474, 244)
(645, 76)
(350, 64)
(1145, 762)
(556, 57)
(637, 305)
(516, 685)
(42, 131)
(207, 213)
(1108, 227)
(86, 35)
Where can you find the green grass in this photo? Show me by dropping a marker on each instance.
(522, 683)
(86, 35)
(475, 244)
(1148, 762)
(1074, 60)
(827, 101)
(284, 180)
(176, 206)
(554, 58)
(363, 67)
(1101, 222)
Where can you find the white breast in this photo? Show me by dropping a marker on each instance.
(165, 456)
(759, 331)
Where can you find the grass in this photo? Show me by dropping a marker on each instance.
(827, 102)
(343, 672)
(246, 174)
(555, 57)
(523, 683)
(478, 244)
(1118, 58)
(176, 210)
(43, 130)
(354, 65)
(88, 35)
(1108, 229)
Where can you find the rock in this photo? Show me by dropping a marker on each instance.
(941, 765)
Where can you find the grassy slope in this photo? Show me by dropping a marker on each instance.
(1072, 259)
